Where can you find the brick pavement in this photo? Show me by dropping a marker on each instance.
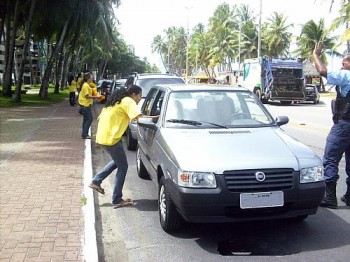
(42, 184)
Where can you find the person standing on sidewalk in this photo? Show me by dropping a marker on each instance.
(338, 139)
(85, 101)
(120, 108)
(72, 87)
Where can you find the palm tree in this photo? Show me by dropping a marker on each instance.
(159, 46)
(311, 33)
(343, 19)
(223, 26)
(12, 24)
(17, 95)
(277, 35)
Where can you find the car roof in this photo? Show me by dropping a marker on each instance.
(143, 76)
(194, 87)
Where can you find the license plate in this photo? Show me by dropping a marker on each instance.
(261, 200)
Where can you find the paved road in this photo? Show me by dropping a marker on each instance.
(42, 187)
(134, 233)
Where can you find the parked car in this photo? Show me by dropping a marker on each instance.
(117, 84)
(146, 82)
(312, 93)
(104, 88)
(217, 155)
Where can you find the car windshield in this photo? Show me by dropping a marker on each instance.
(147, 83)
(215, 109)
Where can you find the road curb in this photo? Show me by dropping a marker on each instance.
(89, 241)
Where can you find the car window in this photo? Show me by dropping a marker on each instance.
(158, 103)
(147, 107)
(147, 83)
(221, 108)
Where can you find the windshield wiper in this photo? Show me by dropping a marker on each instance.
(194, 123)
(214, 124)
(186, 122)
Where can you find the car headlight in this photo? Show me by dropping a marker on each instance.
(311, 174)
(196, 179)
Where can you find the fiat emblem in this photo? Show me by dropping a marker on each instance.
(260, 176)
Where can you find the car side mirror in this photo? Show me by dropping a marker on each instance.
(147, 123)
(282, 120)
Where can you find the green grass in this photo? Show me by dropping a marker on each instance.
(34, 99)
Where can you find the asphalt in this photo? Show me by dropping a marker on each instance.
(46, 207)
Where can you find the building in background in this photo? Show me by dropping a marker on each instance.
(32, 68)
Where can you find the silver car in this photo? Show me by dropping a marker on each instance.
(217, 155)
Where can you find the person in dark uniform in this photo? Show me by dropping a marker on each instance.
(338, 139)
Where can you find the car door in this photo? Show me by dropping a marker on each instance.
(143, 133)
(152, 135)
(152, 107)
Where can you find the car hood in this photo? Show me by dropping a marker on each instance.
(217, 150)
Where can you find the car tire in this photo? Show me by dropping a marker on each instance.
(140, 167)
(315, 101)
(131, 143)
(170, 219)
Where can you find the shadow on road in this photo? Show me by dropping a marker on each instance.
(270, 238)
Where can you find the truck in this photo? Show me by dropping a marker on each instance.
(275, 79)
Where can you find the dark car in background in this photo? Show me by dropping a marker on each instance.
(117, 84)
(146, 82)
(104, 88)
(312, 93)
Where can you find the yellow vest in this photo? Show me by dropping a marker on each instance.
(114, 120)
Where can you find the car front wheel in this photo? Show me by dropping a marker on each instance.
(170, 219)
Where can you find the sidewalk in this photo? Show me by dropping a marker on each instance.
(46, 208)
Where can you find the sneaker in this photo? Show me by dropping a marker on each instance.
(86, 137)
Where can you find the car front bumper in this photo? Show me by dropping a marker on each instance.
(220, 205)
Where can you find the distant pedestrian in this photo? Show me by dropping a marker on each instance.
(79, 80)
(120, 108)
(85, 102)
(338, 139)
(72, 87)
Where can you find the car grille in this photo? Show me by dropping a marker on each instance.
(245, 180)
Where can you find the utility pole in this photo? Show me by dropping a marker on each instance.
(169, 57)
(259, 32)
(196, 56)
(239, 46)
